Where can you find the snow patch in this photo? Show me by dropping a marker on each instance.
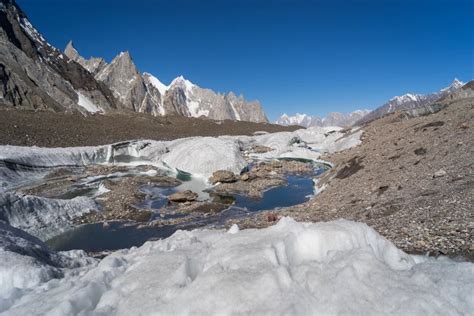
(184, 83)
(31, 31)
(236, 113)
(87, 104)
(157, 83)
(234, 229)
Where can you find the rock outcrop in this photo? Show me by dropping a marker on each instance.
(123, 78)
(183, 196)
(35, 75)
(93, 64)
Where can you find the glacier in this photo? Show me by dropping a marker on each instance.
(338, 267)
(42, 217)
(199, 156)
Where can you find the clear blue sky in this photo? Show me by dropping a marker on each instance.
(294, 56)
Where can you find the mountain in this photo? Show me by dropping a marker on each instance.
(411, 101)
(416, 103)
(36, 75)
(332, 119)
(123, 78)
(146, 93)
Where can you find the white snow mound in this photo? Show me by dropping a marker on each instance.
(204, 155)
(338, 267)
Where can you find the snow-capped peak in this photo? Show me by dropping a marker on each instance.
(332, 119)
(156, 83)
(182, 82)
(300, 116)
(456, 84)
(408, 97)
(360, 112)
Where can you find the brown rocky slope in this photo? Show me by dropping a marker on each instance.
(50, 129)
(411, 179)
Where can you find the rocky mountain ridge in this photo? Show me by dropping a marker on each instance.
(36, 75)
(411, 101)
(147, 94)
(416, 103)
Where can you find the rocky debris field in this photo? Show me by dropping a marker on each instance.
(120, 196)
(411, 179)
(119, 203)
(50, 129)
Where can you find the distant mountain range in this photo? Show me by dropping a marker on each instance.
(411, 101)
(399, 103)
(36, 75)
(332, 119)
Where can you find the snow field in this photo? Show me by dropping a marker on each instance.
(338, 267)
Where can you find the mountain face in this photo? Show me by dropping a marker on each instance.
(411, 101)
(146, 93)
(123, 78)
(93, 65)
(191, 100)
(36, 75)
(333, 119)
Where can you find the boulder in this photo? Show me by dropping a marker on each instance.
(183, 196)
(439, 173)
(223, 176)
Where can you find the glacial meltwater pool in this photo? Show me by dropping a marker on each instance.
(118, 235)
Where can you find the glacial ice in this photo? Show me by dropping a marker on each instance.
(196, 155)
(338, 267)
(42, 217)
(204, 155)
